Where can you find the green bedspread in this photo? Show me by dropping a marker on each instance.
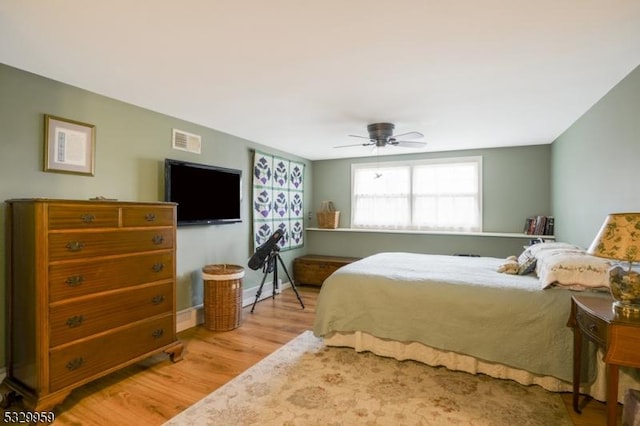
(453, 303)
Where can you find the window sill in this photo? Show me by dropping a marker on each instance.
(449, 233)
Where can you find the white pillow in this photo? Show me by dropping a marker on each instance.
(534, 250)
(573, 270)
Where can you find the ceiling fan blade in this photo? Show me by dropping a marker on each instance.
(380, 135)
(408, 135)
(408, 144)
(355, 144)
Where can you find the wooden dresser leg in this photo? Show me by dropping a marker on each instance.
(8, 396)
(577, 353)
(612, 394)
(175, 352)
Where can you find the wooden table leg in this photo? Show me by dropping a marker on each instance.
(577, 353)
(612, 394)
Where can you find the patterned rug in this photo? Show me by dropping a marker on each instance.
(306, 383)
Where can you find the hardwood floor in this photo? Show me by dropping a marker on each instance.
(153, 391)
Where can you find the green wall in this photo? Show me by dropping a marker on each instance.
(516, 184)
(131, 145)
(594, 164)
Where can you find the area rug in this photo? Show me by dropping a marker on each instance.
(307, 383)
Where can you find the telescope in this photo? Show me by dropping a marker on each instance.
(263, 251)
(267, 257)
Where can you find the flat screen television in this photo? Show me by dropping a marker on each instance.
(205, 194)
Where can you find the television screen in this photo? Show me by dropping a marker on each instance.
(206, 195)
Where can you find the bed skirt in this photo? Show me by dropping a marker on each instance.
(364, 342)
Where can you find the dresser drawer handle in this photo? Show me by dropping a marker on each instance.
(150, 217)
(157, 333)
(157, 267)
(592, 327)
(75, 363)
(88, 218)
(158, 239)
(75, 321)
(156, 300)
(74, 281)
(75, 245)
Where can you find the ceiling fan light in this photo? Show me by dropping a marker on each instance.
(381, 135)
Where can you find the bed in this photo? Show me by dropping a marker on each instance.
(459, 312)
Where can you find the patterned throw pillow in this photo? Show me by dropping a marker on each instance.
(527, 267)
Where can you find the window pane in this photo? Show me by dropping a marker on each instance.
(382, 212)
(446, 178)
(452, 213)
(382, 197)
(445, 196)
(382, 181)
(434, 195)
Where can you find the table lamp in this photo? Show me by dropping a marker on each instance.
(619, 239)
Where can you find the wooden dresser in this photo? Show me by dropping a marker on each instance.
(90, 289)
(313, 269)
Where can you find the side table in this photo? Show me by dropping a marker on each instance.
(619, 337)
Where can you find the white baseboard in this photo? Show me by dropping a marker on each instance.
(194, 315)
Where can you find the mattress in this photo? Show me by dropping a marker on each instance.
(456, 304)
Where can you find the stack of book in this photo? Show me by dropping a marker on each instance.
(539, 225)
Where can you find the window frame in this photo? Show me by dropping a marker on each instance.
(478, 160)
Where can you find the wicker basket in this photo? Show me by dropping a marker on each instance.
(222, 296)
(328, 220)
(328, 216)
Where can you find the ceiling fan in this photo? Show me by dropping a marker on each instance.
(381, 135)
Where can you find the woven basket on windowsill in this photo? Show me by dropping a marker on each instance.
(328, 220)
(328, 217)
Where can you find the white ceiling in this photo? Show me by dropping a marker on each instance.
(300, 75)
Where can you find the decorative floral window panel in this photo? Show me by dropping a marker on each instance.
(277, 202)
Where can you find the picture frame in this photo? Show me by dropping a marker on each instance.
(69, 146)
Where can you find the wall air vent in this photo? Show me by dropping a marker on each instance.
(185, 141)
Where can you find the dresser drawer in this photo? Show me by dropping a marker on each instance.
(147, 216)
(85, 359)
(81, 318)
(79, 245)
(594, 327)
(83, 216)
(74, 279)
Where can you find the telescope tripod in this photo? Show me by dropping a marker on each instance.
(271, 265)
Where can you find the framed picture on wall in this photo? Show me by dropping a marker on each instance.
(69, 146)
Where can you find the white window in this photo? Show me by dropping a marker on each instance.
(442, 194)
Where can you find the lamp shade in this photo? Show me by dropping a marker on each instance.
(619, 238)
